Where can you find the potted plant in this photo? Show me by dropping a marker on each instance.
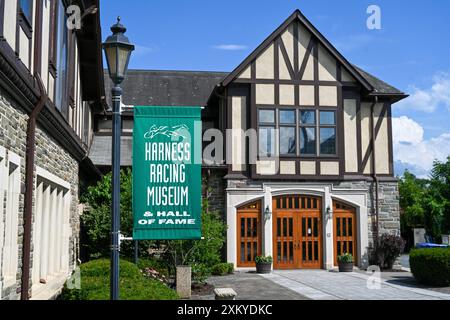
(263, 264)
(346, 262)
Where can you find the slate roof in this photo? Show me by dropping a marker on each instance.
(379, 85)
(193, 88)
(100, 153)
(167, 88)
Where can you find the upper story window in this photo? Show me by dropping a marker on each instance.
(301, 132)
(62, 54)
(267, 126)
(26, 8)
(327, 132)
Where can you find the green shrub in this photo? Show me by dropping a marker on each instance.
(388, 249)
(431, 266)
(346, 258)
(200, 272)
(230, 268)
(222, 269)
(203, 254)
(263, 259)
(95, 284)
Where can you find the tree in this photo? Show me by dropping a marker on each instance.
(426, 202)
(96, 222)
(440, 185)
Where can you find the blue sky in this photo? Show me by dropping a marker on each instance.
(411, 51)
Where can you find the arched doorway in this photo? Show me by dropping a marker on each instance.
(297, 232)
(344, 230)
(248, 234)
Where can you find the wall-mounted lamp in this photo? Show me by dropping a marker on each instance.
(267, 213)
(329, 213)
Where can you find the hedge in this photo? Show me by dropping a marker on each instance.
(134, 285)
(431, 266)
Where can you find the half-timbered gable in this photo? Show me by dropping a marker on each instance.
(311, 107)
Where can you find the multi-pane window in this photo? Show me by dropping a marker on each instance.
(26, 8)
(308, 132)
(62, 54)
(288, 145)
(301, 132)
(267, 125)
(327, 132)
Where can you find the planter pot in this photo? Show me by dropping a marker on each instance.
(264, 268)
(345, 266)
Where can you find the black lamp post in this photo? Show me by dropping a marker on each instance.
(118, 51)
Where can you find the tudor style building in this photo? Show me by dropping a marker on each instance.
(323, 182)
(51, 83)
(326, 174)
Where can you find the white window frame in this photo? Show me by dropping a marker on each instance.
(3, 188)
(11, 229)
(51, 234)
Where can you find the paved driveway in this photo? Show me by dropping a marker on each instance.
(250, 286)
(324, 285)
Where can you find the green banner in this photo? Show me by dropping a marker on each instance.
(167, 173)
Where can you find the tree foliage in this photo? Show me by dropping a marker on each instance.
(426, 202)
(96, 221)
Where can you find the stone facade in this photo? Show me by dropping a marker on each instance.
(214, 186)
(49, 156)
(357, 193)
(388, 204)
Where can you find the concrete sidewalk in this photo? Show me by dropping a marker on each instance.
(324, 285)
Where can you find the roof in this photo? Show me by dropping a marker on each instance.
(100, 153)
(167, 88)
(379, 86)
(89, 40)
(193, 88)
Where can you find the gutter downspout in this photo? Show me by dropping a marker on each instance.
(374, 172)
(29, 184)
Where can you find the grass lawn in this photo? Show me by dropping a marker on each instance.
(133, 284)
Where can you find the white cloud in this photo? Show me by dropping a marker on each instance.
(230, 47)
(412, 150)
(141, 51)
(406, 130)
(428, 100)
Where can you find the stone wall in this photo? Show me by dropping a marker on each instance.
(49, 156)
(13, 127)
(213, 187)
(388, 202)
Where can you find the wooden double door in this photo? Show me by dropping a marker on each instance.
(297, 232)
